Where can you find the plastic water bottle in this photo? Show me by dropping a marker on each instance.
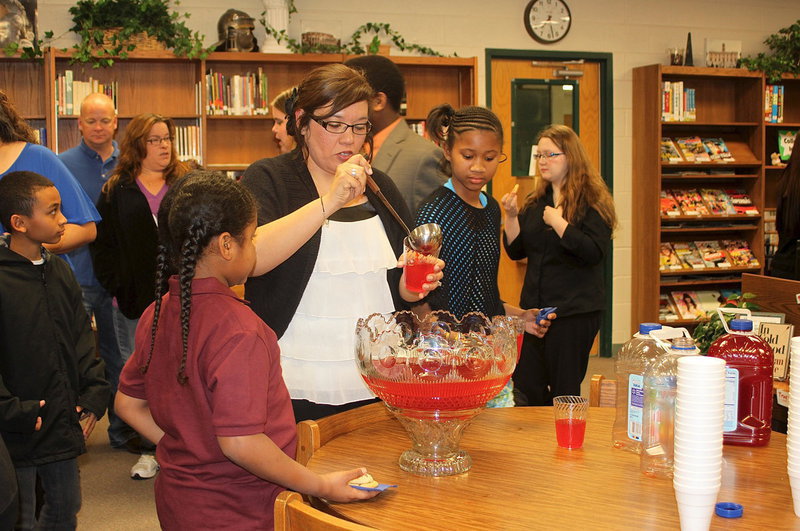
(629, 368)
(660, 389)
(748, 384)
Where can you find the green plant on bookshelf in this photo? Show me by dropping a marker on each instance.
(34, 51)
(354, 46)
(784, 57)
(707, 332)
(128, 18)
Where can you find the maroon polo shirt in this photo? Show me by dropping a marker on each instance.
(234, 388)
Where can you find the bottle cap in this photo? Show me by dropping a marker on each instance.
(646, 328)
(683, 343)
(741, 325)
(729, 510)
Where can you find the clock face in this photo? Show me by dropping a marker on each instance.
(547, 21)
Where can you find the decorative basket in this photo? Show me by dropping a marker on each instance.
(142, 40)
(315, 38)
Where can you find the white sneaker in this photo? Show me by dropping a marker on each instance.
(145, 468)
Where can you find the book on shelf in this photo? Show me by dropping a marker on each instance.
(678, 103)
(740, 254)
(770, 217)
(773, 103)
(709, 300)
(419, 128)
(71, 92)
(237, 95)
(718, 150)
(68, 102)
(741, 202)
(668, 204)
(712, 253)
(687, 305)
(187, 143)
(693, 149)
(666, 310)
(717, 201)
(669, 259)
(786, 141)
(690, 202)
(689, 255)
(669, 151)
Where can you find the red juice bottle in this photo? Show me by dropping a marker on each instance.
(748, 384)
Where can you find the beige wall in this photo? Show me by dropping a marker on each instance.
(636, 32)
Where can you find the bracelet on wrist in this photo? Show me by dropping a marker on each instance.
(324, 215)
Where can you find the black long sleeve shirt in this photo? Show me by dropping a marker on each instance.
(565, 272)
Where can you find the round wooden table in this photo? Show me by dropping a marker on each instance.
(520, 479)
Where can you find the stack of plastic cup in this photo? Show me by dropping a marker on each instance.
(699, 406)
(793, 431)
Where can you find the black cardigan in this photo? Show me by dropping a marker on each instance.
(565, 272)
(125, 250)
(282, 185)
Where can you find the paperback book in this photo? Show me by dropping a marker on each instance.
(690, 202)
(669, 151)
(668, 205)
(779, 337)
(689, 255)
(717, 150)
(709, 300)
(740, 253)
(666, 311)
(693, 149)
(712, 253)
(786, 141)
(687, 305)
(742, 203)
(717, 201)
(668, 259)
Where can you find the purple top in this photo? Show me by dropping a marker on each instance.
(154, 200)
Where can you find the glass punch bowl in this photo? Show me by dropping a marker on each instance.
(435, 375)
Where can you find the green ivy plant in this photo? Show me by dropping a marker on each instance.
(91, 17)
(36, 51)
(784, 57)
(353, 47)
(707, 332)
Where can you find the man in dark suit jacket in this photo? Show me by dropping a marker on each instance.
(412, 162)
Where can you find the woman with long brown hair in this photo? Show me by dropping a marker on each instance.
(124, 253)
(564, 230)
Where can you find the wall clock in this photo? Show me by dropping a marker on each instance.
(547, 21)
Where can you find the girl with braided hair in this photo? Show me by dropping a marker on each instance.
(564, 230)
(205, 380)
(472, 140)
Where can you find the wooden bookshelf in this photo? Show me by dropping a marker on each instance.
(162, 83)
(729, 105)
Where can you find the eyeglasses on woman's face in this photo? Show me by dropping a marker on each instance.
(546, 156)
(339, 128)
(159, 140)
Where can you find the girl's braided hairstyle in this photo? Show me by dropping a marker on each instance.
(202, 205)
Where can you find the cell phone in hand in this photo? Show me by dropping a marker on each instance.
(544, 312)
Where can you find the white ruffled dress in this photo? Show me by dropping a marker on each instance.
(348, 283)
